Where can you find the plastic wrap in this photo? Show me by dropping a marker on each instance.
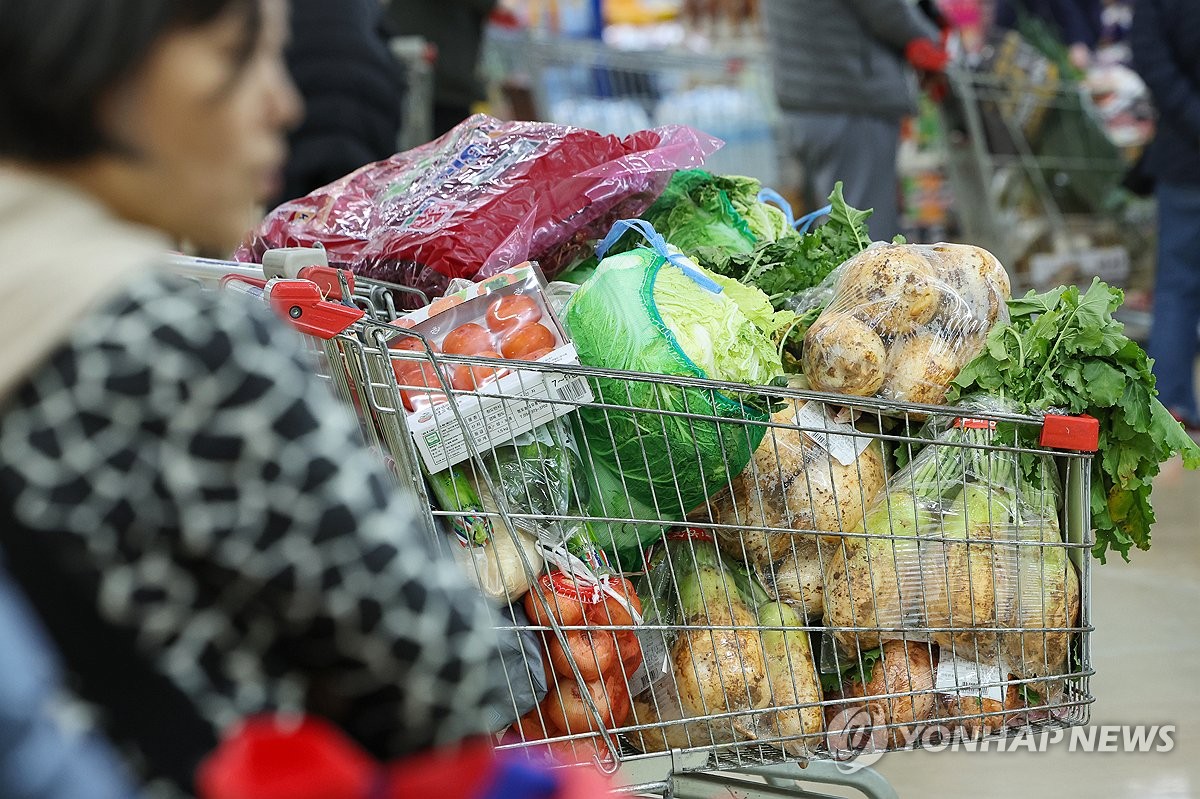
(537, 474)
(495, 563)
(810, 474)
(483, 197)
(960, 546)
(507, 317)
(715, 656)
(904, 320)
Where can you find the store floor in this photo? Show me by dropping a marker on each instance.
(1146, 654)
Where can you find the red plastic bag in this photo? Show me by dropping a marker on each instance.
(484, 197)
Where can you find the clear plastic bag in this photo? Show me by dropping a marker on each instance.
(483, 197)
(715, 656)
(810, 474)
(962, 546)
(904, 320)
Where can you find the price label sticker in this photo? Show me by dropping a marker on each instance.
(842, 441)
(968, 678)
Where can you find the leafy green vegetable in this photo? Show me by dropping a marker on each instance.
(755, 305)
(1030, 696)
(787, 266)
(766, 222)
(1063, 351)
(715, 330)
(694, 211)
(860, 670)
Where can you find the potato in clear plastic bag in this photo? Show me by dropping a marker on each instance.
(800, 478)
(904, 320)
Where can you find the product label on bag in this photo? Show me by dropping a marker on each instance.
(842, 441)
(655, 662)
(957, 676)
(519, 402)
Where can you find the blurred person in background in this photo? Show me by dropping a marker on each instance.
(1165, 39)
(1077, 23)
(455, 28)
(41, 756)
(352, 88)
(184, 502)
(844, 79)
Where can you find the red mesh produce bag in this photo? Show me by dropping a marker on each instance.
(485, 196)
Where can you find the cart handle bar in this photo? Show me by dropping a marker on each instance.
(300, 303)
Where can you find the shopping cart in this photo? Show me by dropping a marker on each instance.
(1035, 178)
(589, 84)
(734, 738)
(417, 56)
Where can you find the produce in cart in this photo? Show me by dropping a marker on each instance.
(895, 685)
(662, 449)
(716, 660)
(1064, 351)
(955, 569)
(794, 682)
(698, 210)
(603, 658)
(904, 320)
(810, 474)
(537, 474)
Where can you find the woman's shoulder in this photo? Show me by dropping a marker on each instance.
(165, 339)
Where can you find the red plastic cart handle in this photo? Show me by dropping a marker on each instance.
(300, 303)
(1079, 433)
(326, 277)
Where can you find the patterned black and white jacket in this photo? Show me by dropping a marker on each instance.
(192, 486)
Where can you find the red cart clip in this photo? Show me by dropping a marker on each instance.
(300, 302)
(1079, 433)
(326, 277)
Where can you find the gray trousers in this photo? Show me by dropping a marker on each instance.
(857, 149)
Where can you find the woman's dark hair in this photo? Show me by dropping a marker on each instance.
(59, 57)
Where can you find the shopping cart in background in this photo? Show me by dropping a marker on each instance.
(755, 719)
(417, 56)
(1035, 178)
(587, 83)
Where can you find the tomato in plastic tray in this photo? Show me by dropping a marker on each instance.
(486, 195)
(513, 320)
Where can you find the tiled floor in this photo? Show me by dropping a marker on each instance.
(1147, 657)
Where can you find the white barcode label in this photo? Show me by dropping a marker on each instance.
(655, 664)
(968, 678)
(842, 441)
(574, 390)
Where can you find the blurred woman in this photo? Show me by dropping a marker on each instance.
(189, 509)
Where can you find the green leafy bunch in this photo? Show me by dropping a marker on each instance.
(787, 266)
(1063, 351)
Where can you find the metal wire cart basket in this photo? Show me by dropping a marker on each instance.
(699, 577)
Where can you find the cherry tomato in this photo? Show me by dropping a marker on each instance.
(511, 312)
(527, 339)
(468, 339)
(469, 378)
